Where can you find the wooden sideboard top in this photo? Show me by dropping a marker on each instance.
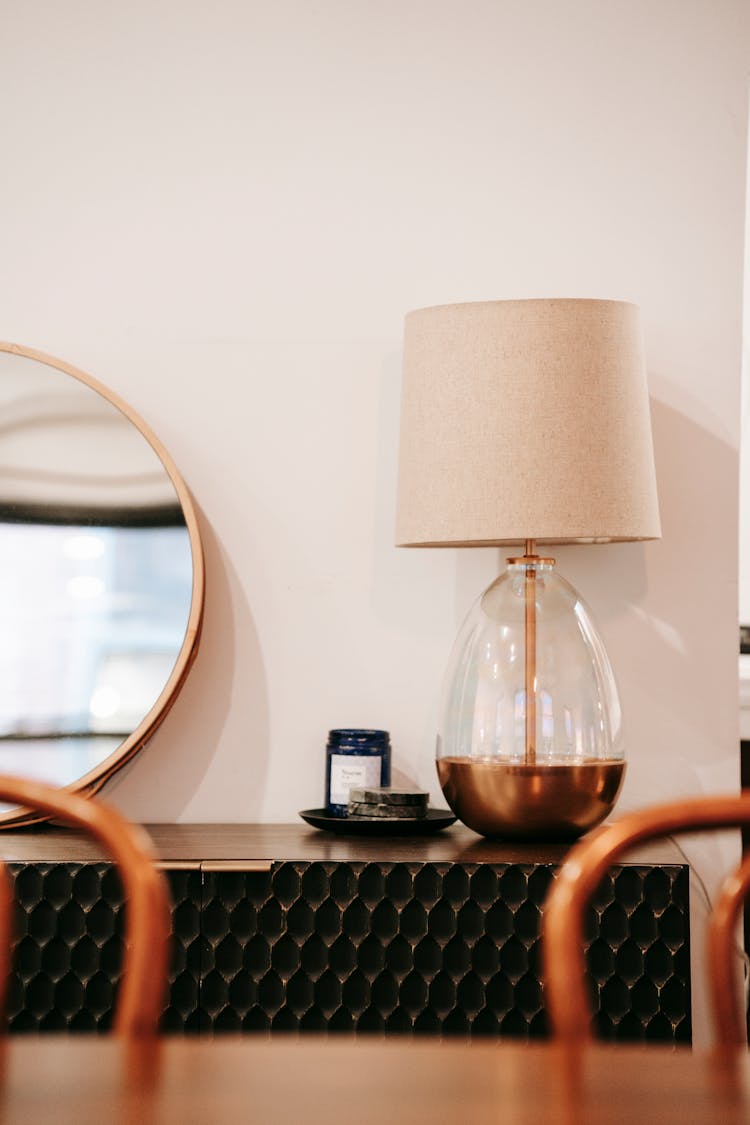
(193, 844)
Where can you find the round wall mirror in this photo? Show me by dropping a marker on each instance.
(101, 578)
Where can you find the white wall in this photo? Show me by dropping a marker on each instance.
(223, 211)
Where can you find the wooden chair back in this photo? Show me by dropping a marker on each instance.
(581, 873)
(147, 910)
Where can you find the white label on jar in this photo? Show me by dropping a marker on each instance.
(349, 771)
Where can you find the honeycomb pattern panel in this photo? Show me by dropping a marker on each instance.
(430, 947)
(182, 1013)
(68, 946)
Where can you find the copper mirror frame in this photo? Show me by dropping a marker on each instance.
(91, 781)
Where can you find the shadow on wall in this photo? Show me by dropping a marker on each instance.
(671, 603)
(671, 607)
(161, 781)
(694, 636)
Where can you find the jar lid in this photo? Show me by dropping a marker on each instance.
(355, 736)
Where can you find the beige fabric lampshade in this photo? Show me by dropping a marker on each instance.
(525, 420)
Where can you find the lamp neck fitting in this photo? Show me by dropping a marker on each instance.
(530, 558)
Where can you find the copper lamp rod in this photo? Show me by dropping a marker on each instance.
(530, 622)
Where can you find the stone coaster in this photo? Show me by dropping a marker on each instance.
(366, 811)
(389, 796)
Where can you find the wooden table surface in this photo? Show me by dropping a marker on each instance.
(362, 1081)
(225, 843)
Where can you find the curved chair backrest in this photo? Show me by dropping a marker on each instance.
(578, 878)
(147, 912)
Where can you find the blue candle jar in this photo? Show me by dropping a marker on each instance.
(355, 758)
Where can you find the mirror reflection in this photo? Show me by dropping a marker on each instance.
(97, 577)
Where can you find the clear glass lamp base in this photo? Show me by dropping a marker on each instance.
(530, 744)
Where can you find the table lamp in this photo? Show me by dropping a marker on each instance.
(527, 422)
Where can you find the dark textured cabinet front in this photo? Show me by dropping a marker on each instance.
(69, 942)
(447, 948)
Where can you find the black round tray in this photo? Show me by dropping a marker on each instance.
(433, 821)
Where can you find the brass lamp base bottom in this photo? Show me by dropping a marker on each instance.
(539, 802)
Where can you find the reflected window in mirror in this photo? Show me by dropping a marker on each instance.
(88, 645)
